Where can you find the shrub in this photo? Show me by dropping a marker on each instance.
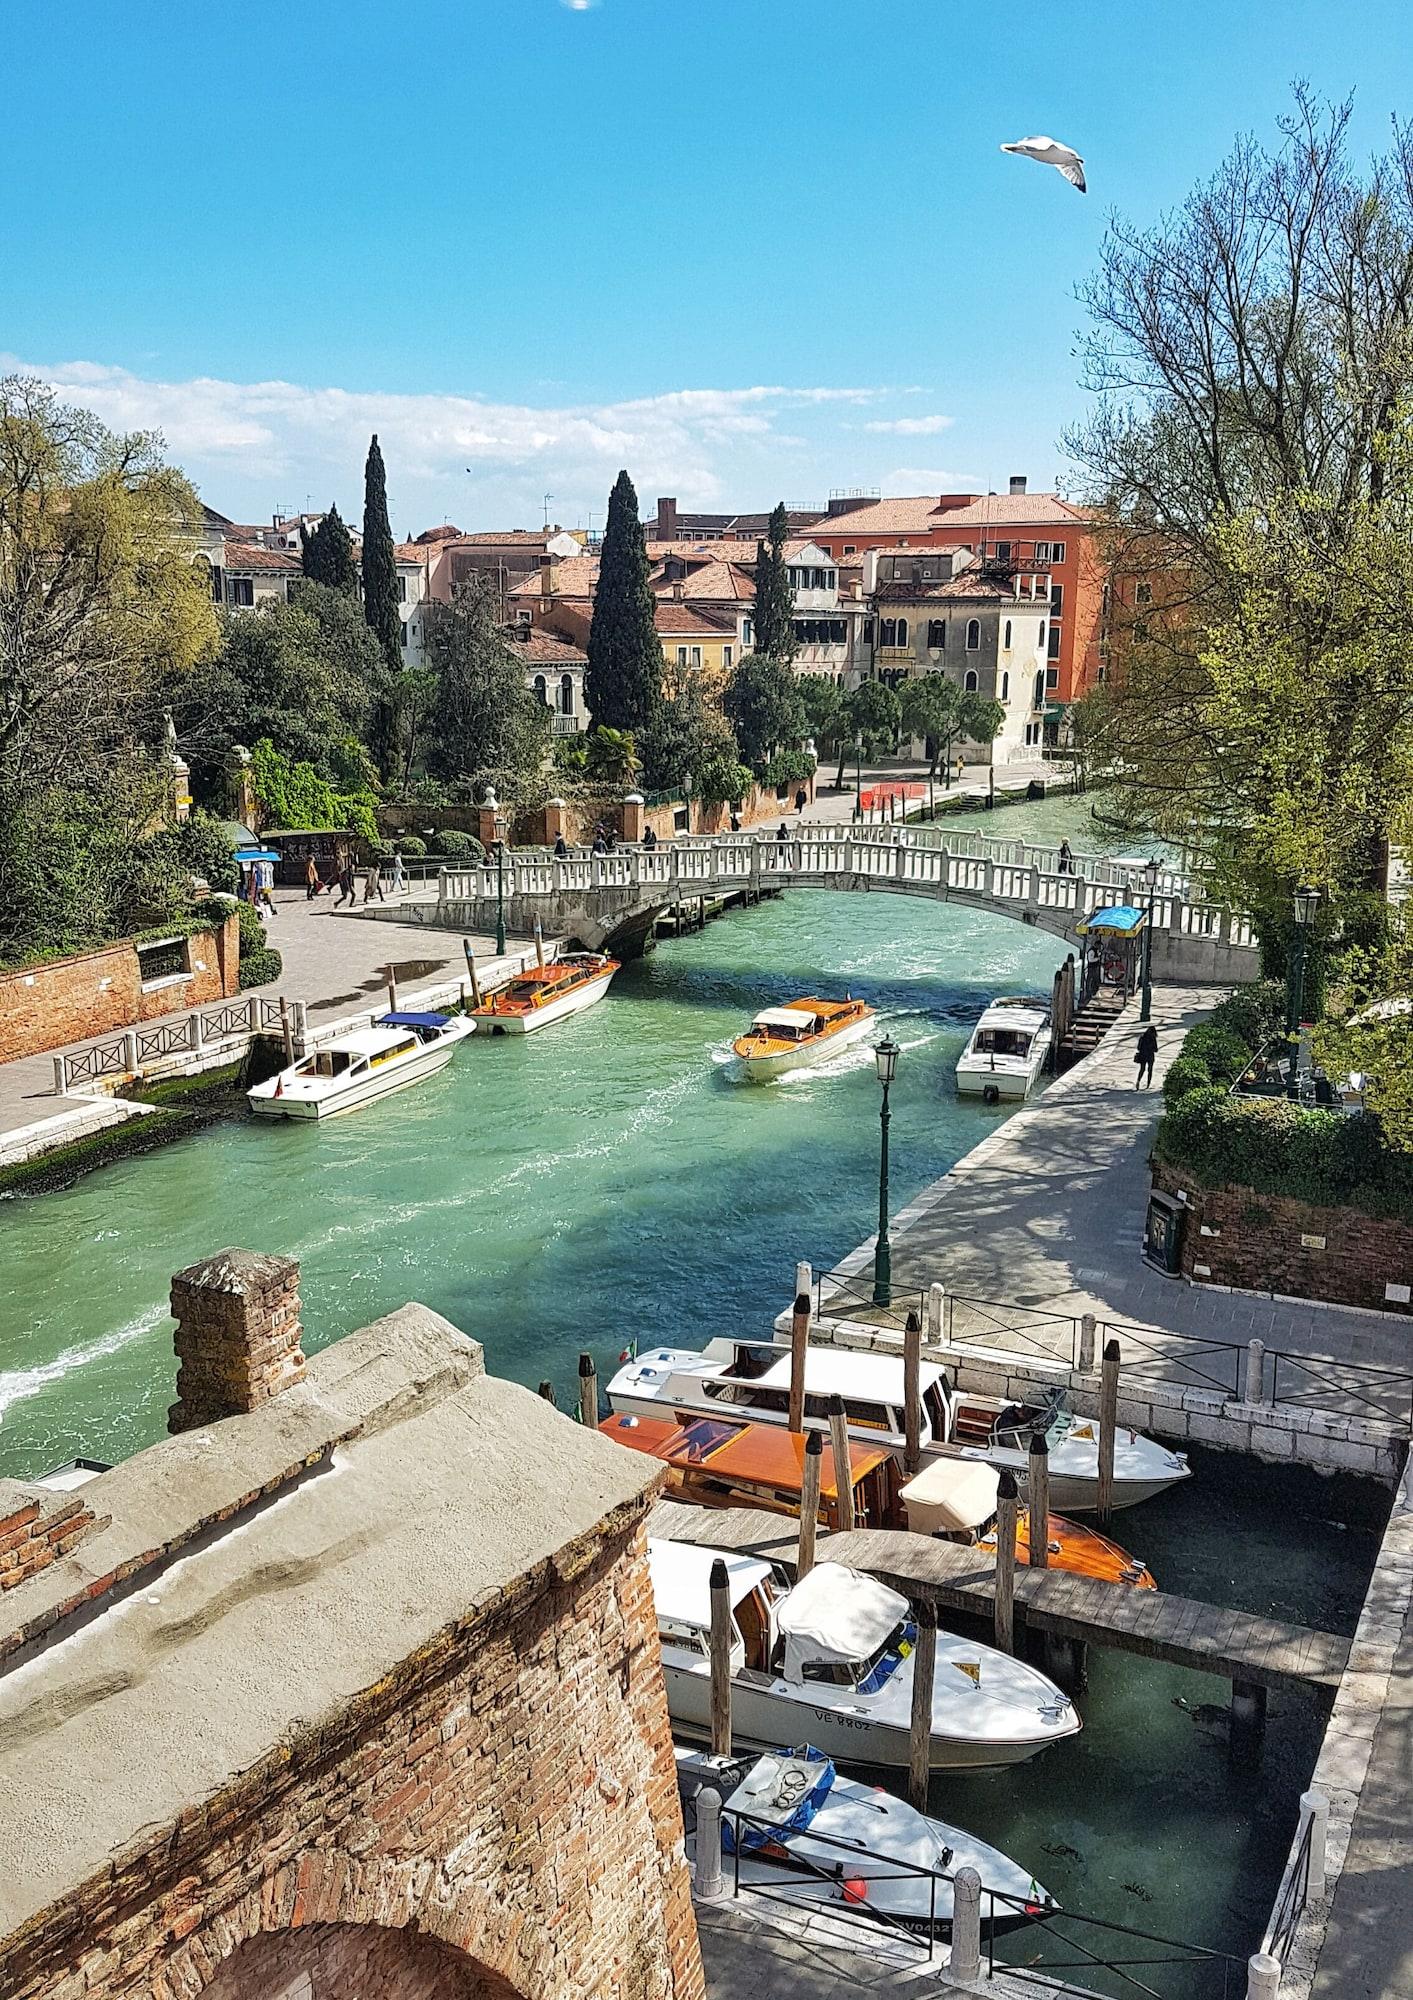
(413, 847)
(1187, 1073)
(252, 932)
(1274, 1147)
(1252, 1013)
(259, 967)
(1225, 1054)
(461, 847)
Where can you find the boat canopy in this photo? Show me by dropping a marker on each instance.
(838, 1614)
(1118, 920)
(413, 1020)
(794, 1018)
(681, 1580)
(836, 1371)
(955, 1494)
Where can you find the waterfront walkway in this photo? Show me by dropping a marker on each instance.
(748, 1957)
(1048, 1212)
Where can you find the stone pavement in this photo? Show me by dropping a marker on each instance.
(748, 1957)
(1048, 1211)
(831, 808)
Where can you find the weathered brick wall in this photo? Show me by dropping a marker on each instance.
(1258, 1242)
(510, 1793)
(99, 992)
(237, 1338)
(341, 1961)
(36, 1528)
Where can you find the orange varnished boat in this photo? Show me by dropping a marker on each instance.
(799, 1033)
(717, 1463)
(545, 993)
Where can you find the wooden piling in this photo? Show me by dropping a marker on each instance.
(843, 1467)
(1007, 1509)
(720, 1660)
(912, 1394)
(920, 1720)
(809, 1503)
(1108, 1424)
(539, 946)
(286, 1030)
(799, 1347)
(471, 969)
(1038, 1497)
(588, 1392)
(392, 989)
(547, 1391)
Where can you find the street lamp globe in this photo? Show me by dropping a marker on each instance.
(1307, 902)
(886, 1058)
(1151, 874)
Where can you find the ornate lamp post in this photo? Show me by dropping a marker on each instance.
(1151, 876)
(886, 1058)
(1307, 902)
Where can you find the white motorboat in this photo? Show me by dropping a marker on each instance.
(793, 1826)
(1009, 1048)
(352, 1070)
(542, 994)
(831, 1662)
(799, 1034)
(751, 1381)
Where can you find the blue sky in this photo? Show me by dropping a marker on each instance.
(751, 250)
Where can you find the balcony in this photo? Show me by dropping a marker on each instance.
(567, 725)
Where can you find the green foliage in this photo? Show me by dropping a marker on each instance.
(612, 758)
(944, 714)
(788, 767)
(458, 846)
(252, 931)
(204, 848)
(485, 725)
(872, 716)
(1273, 1147)
(327, 555)
(260, 967)
(688, 733)
(380, 602)
(763, 706)
(413, 846)
(295, 795)
(1188, 1072)
(723, 780)
(1370, 1028)
(623, 680)
(1223, 1053)
(774, 617)
(823, 702)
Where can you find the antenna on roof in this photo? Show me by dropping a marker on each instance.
(548, 498)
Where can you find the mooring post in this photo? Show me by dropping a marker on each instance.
(471, 972)
(843, 1463)
(286, 1030)
(588, 1393)
(799, 1348)
(936, 1313)
(920, 1720)
(392, 988)
(1317, 1806)
(706, 1873)
(1007, 1508)
(1108, 1424)
(964, 1962)
(1038, 1500)
(804, 1279)
(1263, 1976)
(547, 1391)
(720, 1660)
(1088, 1326)
(912, 1394)
(1255, 1371)
(61, 1076)
(301, 1027)
(809, 1503)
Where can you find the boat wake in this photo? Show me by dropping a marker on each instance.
(18, 1384)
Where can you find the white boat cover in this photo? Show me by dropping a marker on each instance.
(837, 1615)
(784, 1017)
(681, 1580)
(951, 1495)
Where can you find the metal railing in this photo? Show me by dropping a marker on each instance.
(917, 1933)
(1060, 1941)
(225, 1026)
(1293, 1895)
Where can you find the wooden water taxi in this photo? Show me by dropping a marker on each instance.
(542, 994)
(717, 1463)
(798, 1034)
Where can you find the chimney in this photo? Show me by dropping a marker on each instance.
(677, 591)
(1017, 483)
(237, 1337)
(549, 576)
(667, 520)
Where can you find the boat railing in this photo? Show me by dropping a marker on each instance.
(1296, 1884)
(1050, 1943)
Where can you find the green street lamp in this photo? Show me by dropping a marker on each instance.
(885, 1057)
(1306, 901)
(1151, 875)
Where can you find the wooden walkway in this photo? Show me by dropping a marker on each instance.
(1260, 1652)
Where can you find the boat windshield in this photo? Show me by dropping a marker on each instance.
(1002, 1042)
(866, 1676)
(328, 1062)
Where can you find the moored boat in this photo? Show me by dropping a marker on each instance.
(542, 994)
(1008, 1050)
(352, 1070)
(799, 1033)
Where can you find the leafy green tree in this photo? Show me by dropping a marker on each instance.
(327, 554)
(612, 758)
(871, 718)
(762, 703)
(1368, 1029)
(936, 709)
(380, 600)
(623, 680)
(774, 617)
(688, 733)
(485, 724)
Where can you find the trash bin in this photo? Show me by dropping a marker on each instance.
(1162, 1233)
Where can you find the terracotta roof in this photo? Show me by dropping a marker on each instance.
(411, 552)
(249, 555)
(713, 583)
(545, 648)
(517, 537)
(446, 533)
(1013, 510)
(722, 551)
(885, 517)
(575, 576)
(677, 620)
(972, 584)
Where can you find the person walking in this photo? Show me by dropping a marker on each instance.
(399, 873)
(801, 799)
(348, 884)
(312, 884)
(373, 883)
(1145, 1055)
(561, 848)
(1065, 865)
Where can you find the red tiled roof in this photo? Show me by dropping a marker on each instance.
(575, 576)
(677, 620)
(545, 648)
(517, 537)
(411, 552)
(249, 555)
(713, 583)
(920, 513)
(972, 583)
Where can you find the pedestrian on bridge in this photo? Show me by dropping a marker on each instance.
(561, 848)
(649, 838)
(1145, 1055)
(1065, 864)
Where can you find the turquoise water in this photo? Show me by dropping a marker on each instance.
(611, 1179)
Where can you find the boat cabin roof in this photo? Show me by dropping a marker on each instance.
(752, 1454)
(413, 1020)
(961, 1491)
(1025, 1015)
(841, 1613)
(681, 1580)
(796, 1019)
(366, 1042)
(840, 1371)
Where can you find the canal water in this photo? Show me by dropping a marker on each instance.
(613, 1180)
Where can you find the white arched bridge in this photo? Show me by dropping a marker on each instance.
(612, 899)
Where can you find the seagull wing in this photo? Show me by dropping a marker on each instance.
(1033, 148)
(1073, 171)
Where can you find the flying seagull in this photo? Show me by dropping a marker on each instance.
(1050, 153)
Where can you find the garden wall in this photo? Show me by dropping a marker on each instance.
(95, 992)
(1271, 1243)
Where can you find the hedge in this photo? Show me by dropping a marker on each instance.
(460, 846)
(1272, 1146)
(259, 967)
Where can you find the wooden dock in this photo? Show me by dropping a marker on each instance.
(1209, 1638)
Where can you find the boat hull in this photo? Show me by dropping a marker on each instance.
(558, 1009)
(764, 1069)
(367, 1090)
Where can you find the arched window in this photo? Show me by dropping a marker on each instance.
(1005, 687)
(541, 691)
(937, 632)
(902, 631)
(1040, 689)
(973, 635)
(1006, 642)
(969, 681)
(566, 694)
(1042, 635)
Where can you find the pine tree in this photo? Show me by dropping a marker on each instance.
(775, 601)
(380, 597)
(327, 555)
(623, 681)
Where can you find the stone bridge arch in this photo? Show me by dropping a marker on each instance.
(337, 1961)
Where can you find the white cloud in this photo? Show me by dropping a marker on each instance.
(931, 479)
(911, 426)
(578, 6)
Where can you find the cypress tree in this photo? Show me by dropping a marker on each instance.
(775, 601)
(327, 555)
(380, 562)
(623, 681)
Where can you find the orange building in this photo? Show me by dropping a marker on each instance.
(1038, 533)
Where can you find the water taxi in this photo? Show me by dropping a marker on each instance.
(793, 1827)
(715, 1462)
(750, 1381)
(545, 993)
(1008, 1050)
(798, 1034)
(352, 1070)
(829, 1662)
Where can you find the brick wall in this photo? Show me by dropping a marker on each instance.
(1269, 1243)
(510, 1792)
(36, 1528)
(98, 992)
(237, 1338)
